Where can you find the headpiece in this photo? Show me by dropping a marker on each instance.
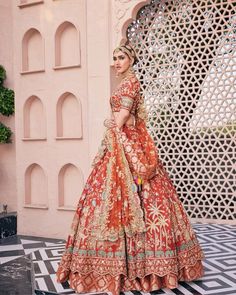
(128, 50)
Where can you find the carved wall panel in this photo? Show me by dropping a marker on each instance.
(187, 62)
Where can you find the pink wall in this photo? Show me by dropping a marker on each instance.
(8, 193)
(57, 54)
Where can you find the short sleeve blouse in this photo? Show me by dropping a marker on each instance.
(126, 96)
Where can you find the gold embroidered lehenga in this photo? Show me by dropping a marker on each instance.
(130, 231)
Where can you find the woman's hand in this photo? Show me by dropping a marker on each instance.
(109, 123)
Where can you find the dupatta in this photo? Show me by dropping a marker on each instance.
(121, 210)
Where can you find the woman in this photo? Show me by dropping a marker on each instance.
(130, 231)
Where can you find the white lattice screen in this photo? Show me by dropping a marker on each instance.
(187, 67)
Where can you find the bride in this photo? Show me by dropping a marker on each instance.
(130, 230)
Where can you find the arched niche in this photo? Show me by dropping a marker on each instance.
(32, 52)
(70, 185)
(34, 119)
(69, 117)
(67, 46)
(36, 195)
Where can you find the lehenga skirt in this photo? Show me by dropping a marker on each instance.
(166, 252)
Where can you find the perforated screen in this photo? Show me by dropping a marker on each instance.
(187, 67)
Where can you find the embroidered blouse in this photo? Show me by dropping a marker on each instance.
(126, 96)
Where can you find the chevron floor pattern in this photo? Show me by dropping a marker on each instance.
(218, 242)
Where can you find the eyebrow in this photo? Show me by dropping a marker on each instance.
(119, 55)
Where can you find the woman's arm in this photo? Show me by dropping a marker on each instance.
(129, 90)
(118, 119)
(121, 117)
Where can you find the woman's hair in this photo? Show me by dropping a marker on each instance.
(128, 50)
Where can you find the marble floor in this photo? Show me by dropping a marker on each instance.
(28, 265)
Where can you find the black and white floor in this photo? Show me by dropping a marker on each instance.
(29, 263)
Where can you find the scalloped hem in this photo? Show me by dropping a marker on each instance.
(94, 282)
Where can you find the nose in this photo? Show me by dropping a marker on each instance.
(117, 62)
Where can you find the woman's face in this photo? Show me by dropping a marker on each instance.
(121, 62)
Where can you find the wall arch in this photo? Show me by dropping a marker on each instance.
(69, 117)
(32, 51)
(124, 12)
(67, 46)
(34, 119)
(70, 185)
(36, 194)
(132, 16)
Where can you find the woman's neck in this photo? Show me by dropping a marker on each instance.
(128, 74)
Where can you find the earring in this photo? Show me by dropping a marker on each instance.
(131, 70)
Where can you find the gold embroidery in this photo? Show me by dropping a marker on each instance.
(121, 240)
(121, 210)
(129, 90)
(126, 103)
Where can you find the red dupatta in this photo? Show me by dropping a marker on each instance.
(121, 209)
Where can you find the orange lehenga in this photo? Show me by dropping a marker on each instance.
(130, 231)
